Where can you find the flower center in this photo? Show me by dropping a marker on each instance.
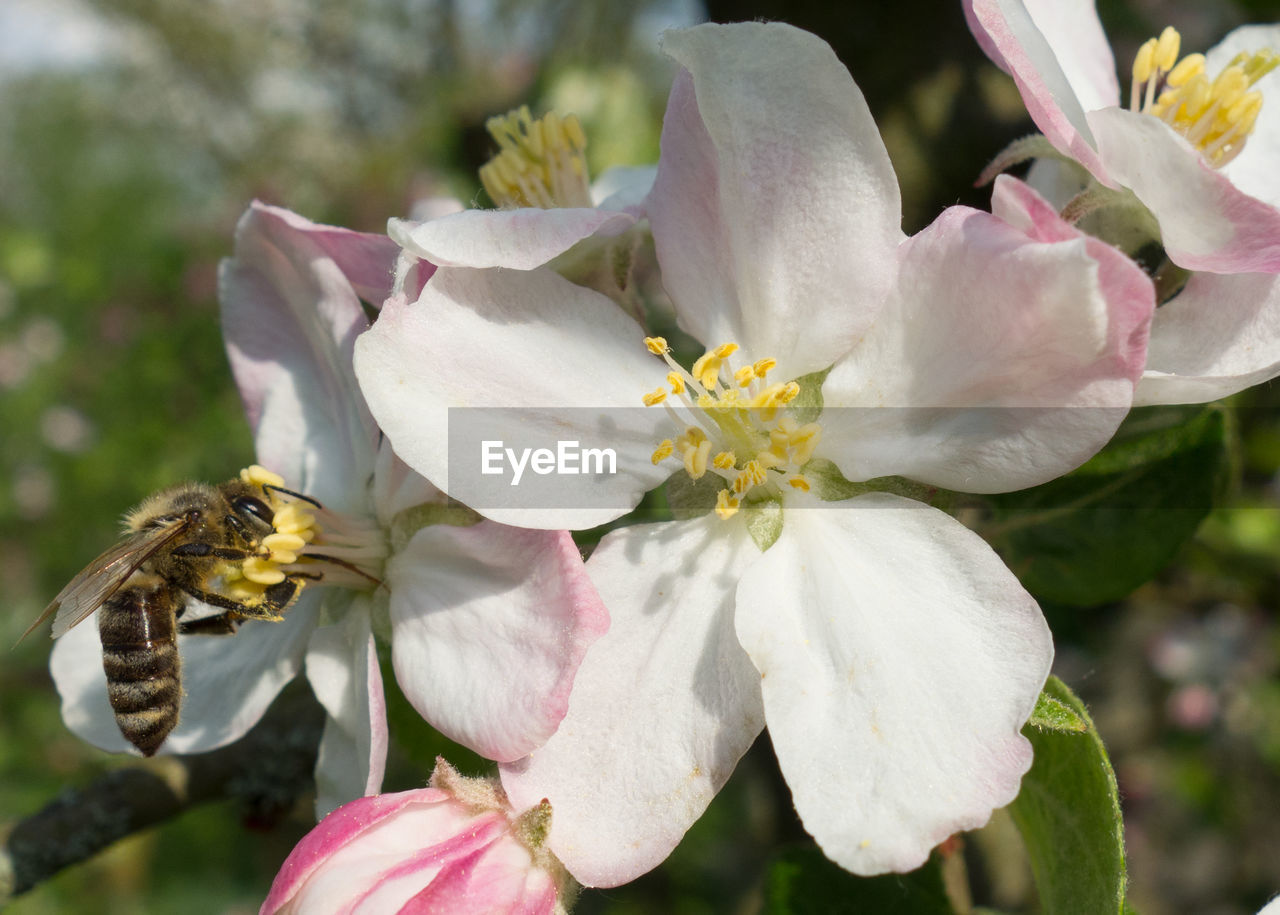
(307, 540)
(539, 163)
(736, 425)
(1216, 115)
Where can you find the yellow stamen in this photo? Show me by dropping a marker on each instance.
(656, 345)
(539, 163)
(726, 505)
(257, 475)
(657, 396)
(695, 449)
(754, 439)
(261, 570)
(1212, 114)
(725, 460)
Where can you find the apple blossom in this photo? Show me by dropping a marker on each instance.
(892, 655)
(1190, 161)
(456, 846)
(487, 623)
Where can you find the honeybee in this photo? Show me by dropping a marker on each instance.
(197, 541)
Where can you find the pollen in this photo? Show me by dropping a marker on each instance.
(1215, 114)
(540, 162)
(735, 425)
(655, 396)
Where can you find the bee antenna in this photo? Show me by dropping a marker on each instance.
(268, 487)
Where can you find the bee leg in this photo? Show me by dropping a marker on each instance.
(222, 624)
(243, 611)
(205, 549)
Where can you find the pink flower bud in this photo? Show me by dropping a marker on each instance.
(456, 846)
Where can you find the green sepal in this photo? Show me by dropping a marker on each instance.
(689, 498)
(807, 406)
(406, 523)
(829, 485)
(764, 521)
(1068, 813)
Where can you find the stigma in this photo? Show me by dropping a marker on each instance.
(540, 163)
(735, 423)
(308, 542)
(1216, 113)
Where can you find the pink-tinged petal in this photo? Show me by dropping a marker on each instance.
(1254, 170)
(228, 681)
(489, 624)
(500, 879)
(342, 668)
(539, 361)
(520, 239)
(376, 854)
(1057, 91)
(1207, 223)
(290, 315)
(1220, 335)
(776, 211)
(337, 830)
(898, 659)
(1002, 361)
(663, 707)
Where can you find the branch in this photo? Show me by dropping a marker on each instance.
(268, 769)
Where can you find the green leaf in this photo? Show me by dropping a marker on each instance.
(1068, 812)
(1096, 534)
(802, 881)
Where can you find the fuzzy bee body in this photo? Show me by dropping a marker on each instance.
(138, 626)
(191, 541)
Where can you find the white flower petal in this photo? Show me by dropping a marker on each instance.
(228, 681)
(342, 668)
(520, 239)
(489, 624)
(1207, 223)
(540, 361)
(290, 317)
(899, 659)
(1219, 335)
(624, 187)
(663, 707)
(776, 211)
(1007, 356)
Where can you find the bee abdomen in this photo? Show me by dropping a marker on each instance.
(138, 629)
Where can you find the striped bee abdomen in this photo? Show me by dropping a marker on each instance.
(138, 627)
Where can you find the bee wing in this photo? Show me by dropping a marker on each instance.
(103, 577)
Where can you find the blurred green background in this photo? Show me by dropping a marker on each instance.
(134, 132)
